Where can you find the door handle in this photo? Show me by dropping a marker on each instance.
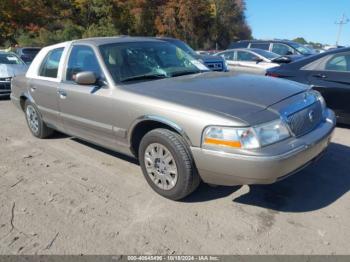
(62, 94)
(320, 76)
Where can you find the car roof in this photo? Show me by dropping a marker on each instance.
(29, 47)
(264, 41)
(116, 39)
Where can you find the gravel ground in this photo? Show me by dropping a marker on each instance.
(64, 196)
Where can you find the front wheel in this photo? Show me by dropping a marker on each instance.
(36, 125)
(167, 164)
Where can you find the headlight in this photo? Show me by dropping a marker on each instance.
(216, 137)
(322, 101)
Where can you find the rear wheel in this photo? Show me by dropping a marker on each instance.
(36, 125)
(167, 164)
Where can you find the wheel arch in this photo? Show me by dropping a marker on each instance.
(145, 124)
(23, 98)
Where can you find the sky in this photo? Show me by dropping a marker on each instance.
(287, 19)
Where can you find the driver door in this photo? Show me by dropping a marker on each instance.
(86, 110)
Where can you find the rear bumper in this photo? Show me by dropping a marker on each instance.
(277, 162)
(16, 101)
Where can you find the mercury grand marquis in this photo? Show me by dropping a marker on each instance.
(149, 99)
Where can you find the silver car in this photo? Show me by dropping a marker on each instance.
(10, 66)
(149, 99)
(252, 61)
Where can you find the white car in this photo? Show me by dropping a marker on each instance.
(10, 66)
(253, 61)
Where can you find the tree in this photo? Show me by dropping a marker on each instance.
(300, 40)
(201, 23)
(230, 24)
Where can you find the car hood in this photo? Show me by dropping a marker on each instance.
(12, 70)
(229, 95)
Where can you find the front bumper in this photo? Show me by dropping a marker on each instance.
(268, 166)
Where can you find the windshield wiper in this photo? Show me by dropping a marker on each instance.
(144, 77)
(182, 73)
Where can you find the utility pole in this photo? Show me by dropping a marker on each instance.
(344, 20)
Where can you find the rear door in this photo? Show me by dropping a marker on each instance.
(332, 78)
(43, 87)
(86, 110)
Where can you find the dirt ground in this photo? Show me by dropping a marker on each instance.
(64, 196)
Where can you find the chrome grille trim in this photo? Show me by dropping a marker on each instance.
(305, 120)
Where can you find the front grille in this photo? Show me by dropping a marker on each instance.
(5, 86)
(215, 66)
(305, 120)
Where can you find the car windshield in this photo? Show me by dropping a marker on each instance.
(141, 61)
(10, 59)
(303, 49)
(266, 54)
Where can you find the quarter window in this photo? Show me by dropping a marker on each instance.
(339, 63)
(82, 59)
(49, 67)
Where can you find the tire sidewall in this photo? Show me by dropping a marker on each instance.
(40, 126)
(182, 170)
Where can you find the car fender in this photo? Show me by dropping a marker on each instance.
(161, 120)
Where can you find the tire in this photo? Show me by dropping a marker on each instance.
(34, 121)
(160, 174)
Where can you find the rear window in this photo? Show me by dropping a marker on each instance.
(30, 51)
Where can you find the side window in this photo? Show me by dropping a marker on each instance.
(228, 55)
(81, 59)
(49, 67)
(264, 46)
(246, 56)
(339, 63)
(282, 49)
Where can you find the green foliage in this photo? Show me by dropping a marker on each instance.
(201, 23)
(302, 41)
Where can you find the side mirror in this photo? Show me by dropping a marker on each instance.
(85, 78)
(258, 60)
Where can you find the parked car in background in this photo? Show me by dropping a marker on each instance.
(253, 61)
(10, 66)
(149, 99)
(27, 54)
(329, 73)
(202, 52)
(280, 47)
(214, 63)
